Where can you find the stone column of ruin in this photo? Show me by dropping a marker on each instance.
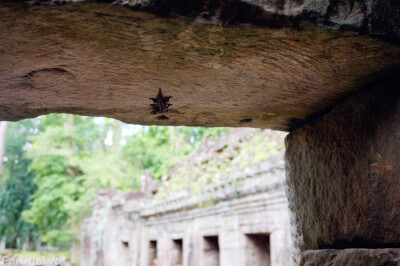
(232, 248)
(343, 175)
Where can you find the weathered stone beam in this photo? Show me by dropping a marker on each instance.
(334, 257)
(94, 59)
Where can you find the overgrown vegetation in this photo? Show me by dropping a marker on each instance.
(218, 158)
(55, 165)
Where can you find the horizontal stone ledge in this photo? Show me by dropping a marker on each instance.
(103, 60)
(354, 257)
(224, 191)
(272, 205)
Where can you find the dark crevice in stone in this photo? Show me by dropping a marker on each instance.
(332, 9)
(384, 22)
(162, 117)
(226, 13)
(246, 120)
(294, 123)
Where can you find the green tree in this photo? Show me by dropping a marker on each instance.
(159, 148)
(16, 185)
(69, 172)
(56, 164)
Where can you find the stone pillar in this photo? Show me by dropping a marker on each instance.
(75, 257)
(343, 175)
(189, 248)
(135, 245)
(144, 248)
(3, 243)
(280, 247)
(232, 248)
(164, 250)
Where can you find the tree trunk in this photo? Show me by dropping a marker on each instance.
(106, 128)
(3, 243)
(28, 244)
(69, 122)
(75, 255)
(116, 137)
(3, 134)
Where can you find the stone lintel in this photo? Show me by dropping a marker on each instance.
(102, 60)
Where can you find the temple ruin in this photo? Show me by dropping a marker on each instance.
(241, 220)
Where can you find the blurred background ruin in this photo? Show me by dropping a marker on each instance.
(77, 186)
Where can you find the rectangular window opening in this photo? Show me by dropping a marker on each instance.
(125, 252)
(258, 250)
(211, 251)
(177, 252)
(153, 253)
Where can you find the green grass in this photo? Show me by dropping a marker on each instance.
(34, 254)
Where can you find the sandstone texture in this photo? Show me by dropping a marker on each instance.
(343, 173)
(354, 257)
(102, 60)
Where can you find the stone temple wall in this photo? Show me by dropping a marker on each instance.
(240, 221)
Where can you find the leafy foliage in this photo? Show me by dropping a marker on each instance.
(229, 156)
(16, 185)
(159, 148)
(69, 173)
(58, 163)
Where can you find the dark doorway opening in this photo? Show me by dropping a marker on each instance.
(177, 252)
(153, 253)
(258, 250)
(125, 252)
(211, 251)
